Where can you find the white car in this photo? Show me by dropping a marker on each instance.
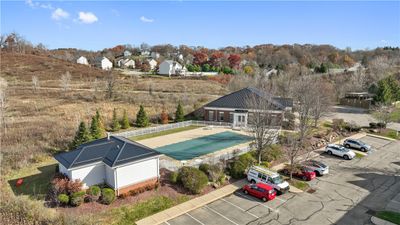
(333, 149)
(258, 174)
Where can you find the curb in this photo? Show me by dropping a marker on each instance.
(190, 205)
(381, 137)
(378, 221)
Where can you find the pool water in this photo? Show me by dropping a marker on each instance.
(193, 148)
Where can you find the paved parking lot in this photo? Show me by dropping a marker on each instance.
(345, 196)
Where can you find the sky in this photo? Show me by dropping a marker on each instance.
(95, 25)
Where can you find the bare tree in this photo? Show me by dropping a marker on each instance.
(3, 106)
(303, 94)
(35, 83)
(110, 84)
(261, 121)
(383, 113)
(65, 81)
(323, 95)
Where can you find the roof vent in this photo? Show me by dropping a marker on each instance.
(117, 146)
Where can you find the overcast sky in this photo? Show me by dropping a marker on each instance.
(94, 25)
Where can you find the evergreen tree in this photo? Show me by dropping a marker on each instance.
(115, 126)
(125, 121)
(81, 136)
(179, 114)
(94, 128)
(100, 123)
(141, 118)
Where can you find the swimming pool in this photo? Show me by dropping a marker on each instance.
(193, 148)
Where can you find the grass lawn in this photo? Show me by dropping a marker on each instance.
(390, 133)
(162, 133)
(359, 155)
(393, 217)
(302, 185)
(36, 179)
(131, 214)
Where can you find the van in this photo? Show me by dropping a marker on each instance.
(257, 174)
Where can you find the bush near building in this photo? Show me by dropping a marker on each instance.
(107, 196)
(76, 198)
(192, 179)
(238, 167)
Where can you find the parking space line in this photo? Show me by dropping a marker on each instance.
(220, 215)
(282, 200)
(245, 196)
(167, 223)
(240, 208)
(195, 219)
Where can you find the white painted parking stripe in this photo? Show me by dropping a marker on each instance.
(221, 215)
(282, 200)
(245, 196)
(240, 208)
(195, 219)
(167, 223)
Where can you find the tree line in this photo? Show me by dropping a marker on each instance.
(97, 130)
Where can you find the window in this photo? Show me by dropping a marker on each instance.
(259, 175)
(231, 117)
(264, 177)
(211, 115)
(221, 116)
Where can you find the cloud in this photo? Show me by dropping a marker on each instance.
(38, 4)
(146, 20)
(59, 14)
(87, 17)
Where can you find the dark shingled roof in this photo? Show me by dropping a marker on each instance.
(113, 152)
(237, 99)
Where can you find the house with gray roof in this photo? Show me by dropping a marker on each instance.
(235, 108)
(116, 161)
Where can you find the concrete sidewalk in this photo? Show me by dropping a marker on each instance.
(192, 204)
(378, 221)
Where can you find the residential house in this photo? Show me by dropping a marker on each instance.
(82, 60)
(145, 53)
(358, 99)
(126, 63)
(235, 108)
(127, 53)
(153, 63)
(118, 162)
(103, 63)
(170, 67)
(155, 55)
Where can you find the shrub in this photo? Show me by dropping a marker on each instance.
(107, 196)
(94, 190)
(63, 199)
(93, 193)
(238, 168)
(337, 124)
(192, 179)
(204, 167)
(373, 125)
(265, 164)
(272, 153)
(213, 172)
(173, 177)
(381, 125)
(63, 185)
(352, 127)
(77, 198)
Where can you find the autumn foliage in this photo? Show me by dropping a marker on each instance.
(234, 61)
(164, 117)
(63, 185)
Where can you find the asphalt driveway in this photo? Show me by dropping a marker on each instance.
(346, 196)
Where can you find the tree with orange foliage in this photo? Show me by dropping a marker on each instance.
(348, 61)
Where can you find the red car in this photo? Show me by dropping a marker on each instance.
(260, 190)
(302, 172)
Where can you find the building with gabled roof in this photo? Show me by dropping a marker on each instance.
(234, 107)
(116, 161)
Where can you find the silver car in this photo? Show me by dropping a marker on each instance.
(357, 144)
(318, 167)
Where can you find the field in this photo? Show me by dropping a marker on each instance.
(41, 121)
